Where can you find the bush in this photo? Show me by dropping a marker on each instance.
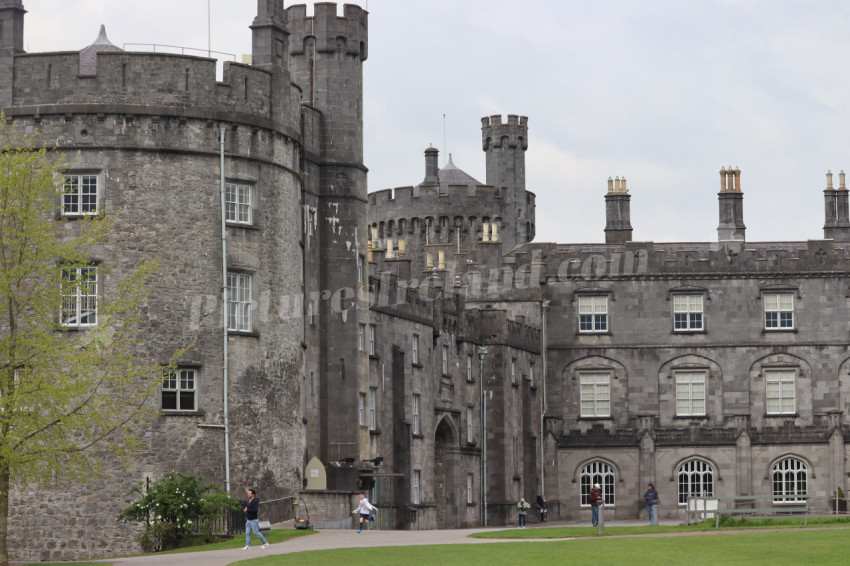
(174, 506)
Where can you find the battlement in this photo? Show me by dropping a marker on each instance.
(497, 133)
(140, 80)
(332, 34)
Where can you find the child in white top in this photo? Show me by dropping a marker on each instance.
(365, 509)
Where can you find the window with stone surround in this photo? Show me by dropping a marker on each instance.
(780, 391)
(595, 394)
(372, 340)
(179, 390)
(238, 202)
(417, 480)
(79, 296)
(239, 302)
(373, 409)
(779, 311)
(687, 313)
(593, 314)
(415, 349)
(790, 481)
(690, 393)
(469, 376)
(696, 479)
(470, 493)
(417, 429)
(445, 350)
(361, 337)
(80, 194)
(601, 473)
(470, 433)
(361, 409)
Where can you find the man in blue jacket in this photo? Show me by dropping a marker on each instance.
(651, 498)
(252, 521)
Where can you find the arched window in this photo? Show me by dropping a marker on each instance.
(790, 481)
(696, 479)
(601, 473)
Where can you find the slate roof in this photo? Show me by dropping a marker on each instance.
(88, 55)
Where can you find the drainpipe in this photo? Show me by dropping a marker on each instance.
(482, 350)
(545, 351)
(224, 313)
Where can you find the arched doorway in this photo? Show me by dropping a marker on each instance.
(444, 485)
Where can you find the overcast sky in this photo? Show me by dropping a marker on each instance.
(664, 93)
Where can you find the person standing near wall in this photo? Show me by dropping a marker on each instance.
(594, 498)
(651, 498)
(365, 509)
(522, 507)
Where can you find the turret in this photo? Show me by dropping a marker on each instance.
(837, 209)
(731, 201)
(11, 43)
(618, 228)
(505, 146)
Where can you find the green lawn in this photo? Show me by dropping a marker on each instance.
(725, 525)
(824, 547)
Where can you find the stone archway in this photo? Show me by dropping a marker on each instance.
(444, 484)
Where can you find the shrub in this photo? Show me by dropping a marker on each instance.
(174, 506)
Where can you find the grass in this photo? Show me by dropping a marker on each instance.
(789, 548)
(726, 523)
(274, 536)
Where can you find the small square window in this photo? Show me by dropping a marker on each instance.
(80, 195)
(779, 311)
(595, 395)
(179, 390)
(687, 313)
(237, 203)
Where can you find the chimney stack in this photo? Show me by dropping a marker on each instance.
(837, 209)
(432, 167)
(731, 199)
(618, 228)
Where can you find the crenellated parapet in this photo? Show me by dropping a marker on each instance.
(504, 144)
(347, 35)
(143, 83)
(498, 133)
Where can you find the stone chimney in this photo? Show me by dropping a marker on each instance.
(731, 227)
(837, 209)
(432, 167)
(618, 228)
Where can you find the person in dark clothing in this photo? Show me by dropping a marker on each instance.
(541, 506)
(651, 498)
(252, 521)
(594, 498)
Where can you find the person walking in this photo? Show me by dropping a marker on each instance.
(594, 498)
(252, 521)
(651, 498)
(523, 506)
(365, 509)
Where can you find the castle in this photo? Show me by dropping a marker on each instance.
(416, 342)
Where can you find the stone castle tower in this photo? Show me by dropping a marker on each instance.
(150, 132)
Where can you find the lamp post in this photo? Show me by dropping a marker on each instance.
(482, 351)
(544, 305)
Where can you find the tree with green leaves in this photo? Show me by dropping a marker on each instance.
(74, 375)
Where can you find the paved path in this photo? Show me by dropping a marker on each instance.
(330, 539)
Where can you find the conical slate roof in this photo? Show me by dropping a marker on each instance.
(452, 175)
(88, 55)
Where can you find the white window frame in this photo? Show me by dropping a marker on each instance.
(361, 409)
(595, 393)
(179, 382)
(373, 408)
(513, 371)
(695, 478)
(470, 429)
(790, 481)
(238, 203)
(372, 340)
(361, 272)
(239, 302)
(417, 405)
(470, 491)
(415, 349)
(445, 351)
(417, 481)
(593, 314)
(602, 473)
(469, 375)
(778, 311)
(79, 290)
(77, 193)
(780, 388)
(688, 313)
(361, 337)
(691, 388)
